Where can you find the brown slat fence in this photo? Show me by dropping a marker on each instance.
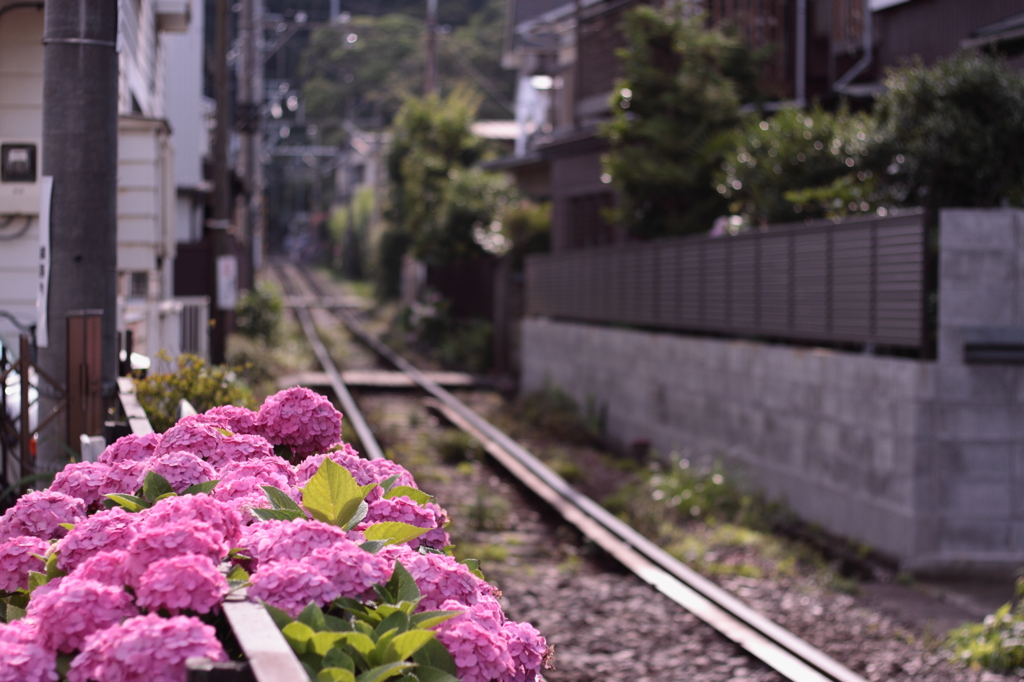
(860, 281)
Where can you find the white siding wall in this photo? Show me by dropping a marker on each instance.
(21, 116)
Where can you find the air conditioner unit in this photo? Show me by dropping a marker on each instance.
(20, 162)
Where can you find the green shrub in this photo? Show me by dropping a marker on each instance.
(997, 643)
(205, 386)
(672, 112)
(258, 313)
(676, 492)
(951, 134)
(555, 412)
(455, 446)
(793, 150)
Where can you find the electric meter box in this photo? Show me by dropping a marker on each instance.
(20, 162)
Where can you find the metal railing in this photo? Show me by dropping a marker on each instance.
(861, 281)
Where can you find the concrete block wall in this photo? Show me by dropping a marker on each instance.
(972, 476)
(833, 433)
(921, 460)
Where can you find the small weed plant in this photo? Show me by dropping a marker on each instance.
(997, 643)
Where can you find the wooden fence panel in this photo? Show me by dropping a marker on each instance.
(860, 281)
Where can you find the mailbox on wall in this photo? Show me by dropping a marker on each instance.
(19, 177)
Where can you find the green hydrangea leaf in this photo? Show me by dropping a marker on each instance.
(429, 619)
(414, 494)
(394, 532)
(206, 487)
(405, 644)
(280, 499)
(335, 675)
(435, 655)
(313, 616)
(156, 486)
(426, 673)
(383, 672)
(129, 502)
(299, 636)
(277, 514)
(332, 495)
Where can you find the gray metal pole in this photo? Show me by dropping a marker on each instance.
(430, 85)
(80, 152)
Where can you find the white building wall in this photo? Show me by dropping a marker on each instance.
(21, 119)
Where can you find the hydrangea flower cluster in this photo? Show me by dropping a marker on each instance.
(40, 514)
(187, 582)
(22, 658)
(145, 648)
(126, 570)
(18, 556)
(303, 420)
(83, 481)
(76, 609)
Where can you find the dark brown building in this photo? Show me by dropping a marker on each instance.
(564, 53)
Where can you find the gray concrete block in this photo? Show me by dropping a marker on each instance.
(966, 535)
(972, 499)
(974, 229)
(978, 306)
(977, 423)
(980, 384)
(976, 461)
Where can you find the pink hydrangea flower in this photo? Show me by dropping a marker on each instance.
(107, 530)
(130, 448)
(147, 648)
(82, 480)
(475, 641)
(108, 568)
(439, 577)
(16, 561)
(189, 582)
(276, 540)
(243, 495)
(351, 569)
(224, 518)
(365, 471)
(237, 420)
(290, 586)
(402, 509)
(272, 470)
(240, 448)
(22, 657)
(124, 477)
(169, 540)
(199, 439)
(528, 649)
(76, 609)
(303, 420)
(181, 469)
(40, 514)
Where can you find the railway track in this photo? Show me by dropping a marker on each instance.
(785, 653)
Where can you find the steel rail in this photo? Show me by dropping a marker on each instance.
(777, 647)
(371, 449)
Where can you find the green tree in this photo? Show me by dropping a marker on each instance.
(952, 134)
(363, 70)
(772, 162)
(680, 96)
(438, 197)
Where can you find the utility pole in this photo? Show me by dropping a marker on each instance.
(248, 126)
(430, 84)
(80, 102)
(221, 220)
